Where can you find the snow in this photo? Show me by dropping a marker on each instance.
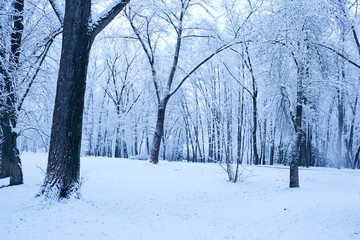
(131, 199)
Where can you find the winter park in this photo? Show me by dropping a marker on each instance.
(180, 119)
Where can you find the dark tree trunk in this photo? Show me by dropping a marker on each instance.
(10, 152)
(218, 138)
(308, 148)
(263, 145)
(272, 152)
(164, 147)
(159, 130)
(298, 150)
(4, 162)
(136, 151)
(147, 140)
(211, 138)
(350, 140)
(272, 145)
(341, 116)
(256, 155)
(356, 160)
(187, 145)
(125, 149)
(254, 100)
(8, 122)
(294, 175)
(63, 168)
(118, 143)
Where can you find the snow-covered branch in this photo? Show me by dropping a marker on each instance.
(104, 18)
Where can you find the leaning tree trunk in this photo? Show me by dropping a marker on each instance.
(63, 168)
(159, 130)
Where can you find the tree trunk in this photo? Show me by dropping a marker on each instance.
(8, 122)
(341, 116)
(136, 151)
(147, 139)
(294, 174)
(125, 150)
(159, 130)
(356, 160)
(4, 162)
(298, 143)
(117, 143)
(10, 152)
(263, 145)
(272, 144)
(256, 155)
(63, 170)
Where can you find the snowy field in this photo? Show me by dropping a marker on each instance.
(128, 199)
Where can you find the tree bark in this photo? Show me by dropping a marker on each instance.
(10, 152)
(117, 143)
(298, 143)
(63, 168)
(159, 130)
(9, 116)
(4, 162)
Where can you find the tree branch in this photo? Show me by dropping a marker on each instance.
(106, 17)
(340, 55)
(219, 50)
(58, 10)
(42, 59)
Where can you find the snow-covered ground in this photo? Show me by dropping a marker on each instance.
(129, 199)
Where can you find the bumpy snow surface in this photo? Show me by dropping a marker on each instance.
(129, 199)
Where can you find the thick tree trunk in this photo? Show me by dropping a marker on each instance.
(16, 175)
(10, 152)
(63, 170)
(295, 159)
(294, 174)
(159, 130)
(10, 158)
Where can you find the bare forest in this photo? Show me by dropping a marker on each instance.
(227, 82)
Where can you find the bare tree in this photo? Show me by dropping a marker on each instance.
(164, 89)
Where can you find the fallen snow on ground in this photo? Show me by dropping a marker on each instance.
(129, 199)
